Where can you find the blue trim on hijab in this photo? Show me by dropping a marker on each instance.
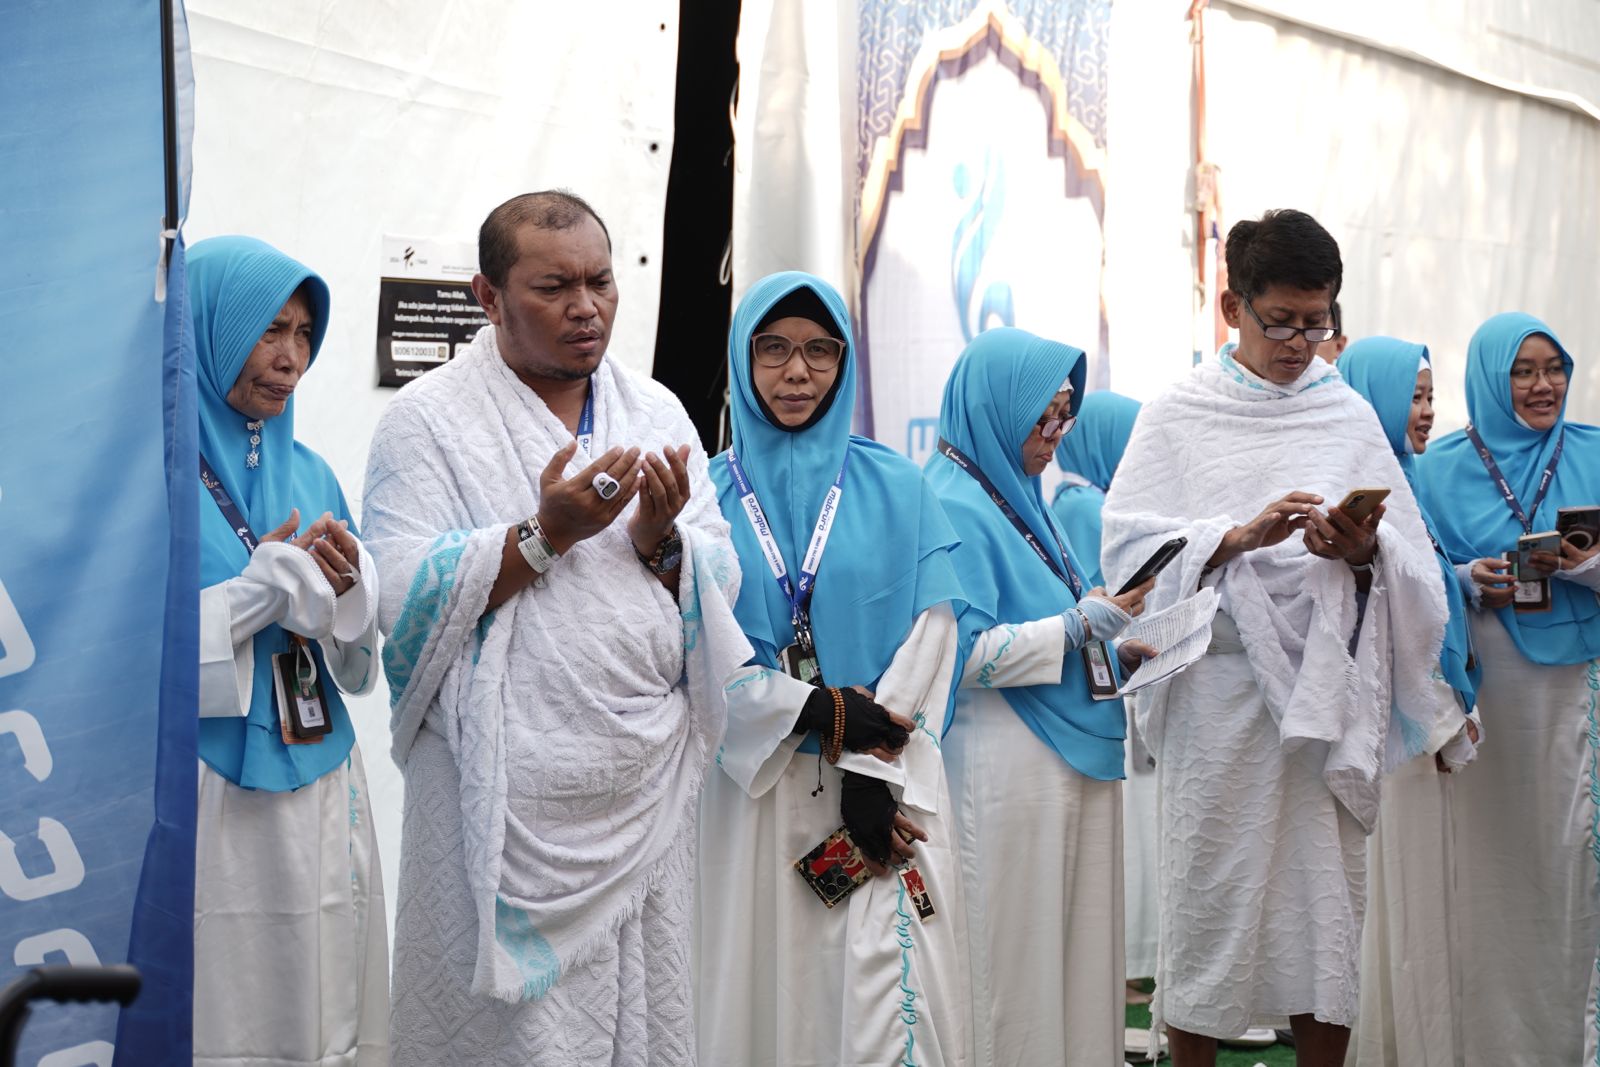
(1474, 521)
(237, 285)
(887, 558)
(996, 392)
(1092, 451)
(1385, 370)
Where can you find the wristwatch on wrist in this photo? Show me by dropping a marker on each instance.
(667, 556)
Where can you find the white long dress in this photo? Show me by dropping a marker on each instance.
(1140, 899)
(781, 979)
(1410, 981)
(1527, 896)
(291, 943)
(1041, 849)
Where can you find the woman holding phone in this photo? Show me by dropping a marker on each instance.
(1527, 914)
(1032, 756)
(1406, 1020)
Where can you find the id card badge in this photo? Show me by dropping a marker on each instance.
(1097, 667)
(303, 717)
(799, 660)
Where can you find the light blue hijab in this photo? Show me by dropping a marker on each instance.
(1473, 518)
(887, 558)
(1384, 370)
(998, 390)
(1092, 451)
(236, 287)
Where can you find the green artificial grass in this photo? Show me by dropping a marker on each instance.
(1276, 1056)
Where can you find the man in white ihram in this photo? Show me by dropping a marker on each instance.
(558, 637)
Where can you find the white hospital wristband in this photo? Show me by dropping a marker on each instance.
(535, 547)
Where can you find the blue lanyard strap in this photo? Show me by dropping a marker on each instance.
(1063, 570)
(225, 504)
(798, 594)
(585, 432)
(1524, 517)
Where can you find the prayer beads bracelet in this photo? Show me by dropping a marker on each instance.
(833, 747)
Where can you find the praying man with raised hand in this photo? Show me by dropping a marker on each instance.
(558, 635)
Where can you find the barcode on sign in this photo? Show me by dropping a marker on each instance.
(416, 352)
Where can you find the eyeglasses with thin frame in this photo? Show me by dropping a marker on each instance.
(775, 350)
(1278, 332)
(1526, 376)
(1051, 427)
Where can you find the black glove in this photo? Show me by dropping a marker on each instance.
(866, 724)
(868, 810)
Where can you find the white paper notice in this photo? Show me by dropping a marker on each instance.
(1180, 635)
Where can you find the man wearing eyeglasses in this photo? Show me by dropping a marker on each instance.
(1269, 749)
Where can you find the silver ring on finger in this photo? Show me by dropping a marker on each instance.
(354, 576)
(605, 485)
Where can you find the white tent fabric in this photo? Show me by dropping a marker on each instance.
(322, 127)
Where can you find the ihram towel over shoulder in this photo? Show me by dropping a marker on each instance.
(584, 712)
(1211, 454)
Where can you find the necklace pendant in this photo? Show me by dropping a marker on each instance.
(253, 460)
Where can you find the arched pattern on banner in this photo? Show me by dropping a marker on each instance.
(1004, 191)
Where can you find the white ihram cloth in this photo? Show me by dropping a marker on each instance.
(782, 980)
(1526, 907)
(551, 851)
(1270, 748)
(1041, 851)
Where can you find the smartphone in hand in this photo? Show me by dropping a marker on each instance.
(1359, 504)
(1155, 564)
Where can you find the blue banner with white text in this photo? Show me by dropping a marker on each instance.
(98, 600)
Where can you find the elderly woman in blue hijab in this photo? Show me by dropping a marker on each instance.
(821, 943)
(1035, 761)
(1088, 459)
(1407, 998)
(1527, 913)
(291, 956)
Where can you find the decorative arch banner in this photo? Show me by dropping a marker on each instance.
(98, 571)
(981, 196)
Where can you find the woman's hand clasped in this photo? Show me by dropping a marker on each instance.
(330, 543)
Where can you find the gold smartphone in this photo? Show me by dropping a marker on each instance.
(1359, 504)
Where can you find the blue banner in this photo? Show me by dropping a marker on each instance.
(98, 599)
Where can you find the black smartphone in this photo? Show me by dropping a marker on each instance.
(1153, 566)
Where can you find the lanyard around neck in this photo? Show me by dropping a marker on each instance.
(1524, 517)
(1064, 570)
(585, 432)
(230, 510)
(797, 593)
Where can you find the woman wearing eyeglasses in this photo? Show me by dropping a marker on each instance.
(849, 600)
(1035, 761)
(1527, 906)
(1318, 678)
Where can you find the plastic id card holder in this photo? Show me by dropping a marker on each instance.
(1100, 669)
(302, 705)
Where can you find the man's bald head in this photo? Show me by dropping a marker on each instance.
(548, 209)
